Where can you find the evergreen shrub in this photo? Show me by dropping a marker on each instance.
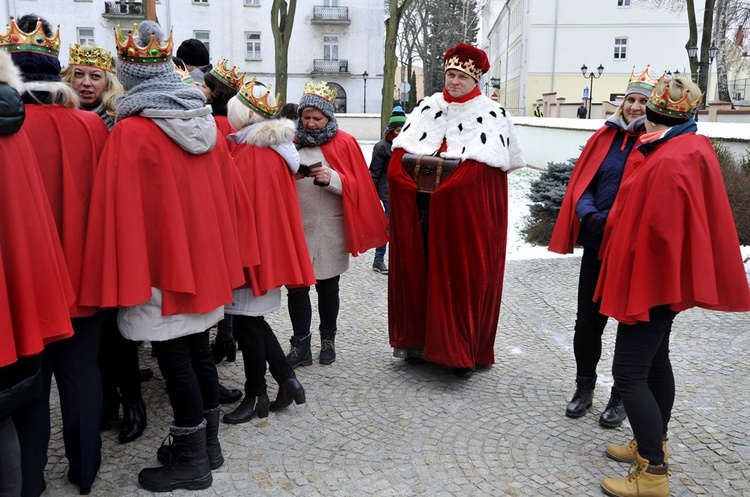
(546, 195)
(736, 173)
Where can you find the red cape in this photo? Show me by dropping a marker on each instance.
(567, 225)
(451, 304)
(671, 238)
(224, 129)
(365, 225)
(35, 290)
(162, 217)
(67, 144)
(284, 258)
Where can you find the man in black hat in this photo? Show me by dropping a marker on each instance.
(196, 58)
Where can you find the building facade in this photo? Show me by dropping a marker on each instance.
(338, 41)
(537, 48)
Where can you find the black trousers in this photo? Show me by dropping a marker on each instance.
(300, 309)
(259, 345)
(74, 363)
(643, 375)
(118, 363)
(590, 323)
(190, 374)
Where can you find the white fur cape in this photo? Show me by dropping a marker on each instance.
(479, 129)
(9, 73)
(276, 134)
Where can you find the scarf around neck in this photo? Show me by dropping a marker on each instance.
(315, 137)
(164, 92)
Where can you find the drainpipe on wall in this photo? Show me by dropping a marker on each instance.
(554, 46)
(507, 53)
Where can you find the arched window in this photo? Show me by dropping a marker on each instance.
(339, 105)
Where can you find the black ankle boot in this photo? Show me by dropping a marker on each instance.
(248, 408)
(188, 467)
(228, 395)
(614, 414)
(582, 398)
(133, 421)
(290, 390)
(327, 347)
(300, 353)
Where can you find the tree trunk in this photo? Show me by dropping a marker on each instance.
(282, 22)
(395, 11)
(720, 34)
(705, 67)
(692, 37)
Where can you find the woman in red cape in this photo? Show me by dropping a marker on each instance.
(35, 289)
(670, 244)
(170, 233)
(266, 159)
(341, 214)
(447, 256)
(607, 158)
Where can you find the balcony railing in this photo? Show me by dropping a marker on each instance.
(330, 15)
(330, 66)
(124, 9)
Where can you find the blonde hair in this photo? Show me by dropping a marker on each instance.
(60, 93)
(240, 115)
(678, 87)
(113, 89)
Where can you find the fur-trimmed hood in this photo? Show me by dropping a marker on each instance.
(9, 73)
(479, 129)
(276, 134)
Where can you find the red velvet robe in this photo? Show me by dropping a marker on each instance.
(671, 238)
(451, 304)
(162, 217)
(67, 144)
(35, 289)
(567, 225)
(284, 258)
(365, 225)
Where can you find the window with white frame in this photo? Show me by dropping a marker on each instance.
(330, 3)
(205, 37)
(252, 41)
(621, 48)
(200, 2)
(331, 47)
(623, 3)
(85, 35)
(252, 3)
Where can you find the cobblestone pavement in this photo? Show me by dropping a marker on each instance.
(374, 425)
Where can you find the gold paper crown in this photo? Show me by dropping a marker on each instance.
(185, 75)
(468, 67)
(260, 105)
(91, 56)
(683, 108)
(17, 40)
(321, 89)
(153, 53)
(643, 80)
(232, 78)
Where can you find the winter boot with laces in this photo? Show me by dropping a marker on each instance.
(644, 480)
(300, 353)
(582, 398)
(327, 347)
(614, 414)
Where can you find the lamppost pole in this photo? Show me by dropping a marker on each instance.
(364, 102)
(704, 67)
(591, 76)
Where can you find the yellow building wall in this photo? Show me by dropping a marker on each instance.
(570, 87)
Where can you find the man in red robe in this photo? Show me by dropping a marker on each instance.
(448, 247)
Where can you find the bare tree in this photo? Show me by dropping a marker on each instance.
(282, 22)
(395, 10)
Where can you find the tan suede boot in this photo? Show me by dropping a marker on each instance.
(626, 453)
(644, 480)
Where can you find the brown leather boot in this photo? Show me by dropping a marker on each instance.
(627, 453)
(644, 480)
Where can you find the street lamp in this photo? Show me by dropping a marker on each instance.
(704, 68)
(495, 82)
(364, 102)
(591, 76)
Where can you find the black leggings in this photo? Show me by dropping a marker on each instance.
(300, 309)
(259, 345)
(590, 324)
(190, 373)
(118, 362)
(643, 375)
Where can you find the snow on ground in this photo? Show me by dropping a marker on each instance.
(519, 185)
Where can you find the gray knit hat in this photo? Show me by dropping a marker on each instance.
(137, 61)
(319, 95)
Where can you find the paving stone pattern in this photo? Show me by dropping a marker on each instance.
(375, 425)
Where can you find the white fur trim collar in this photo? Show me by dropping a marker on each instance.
(479, 129)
